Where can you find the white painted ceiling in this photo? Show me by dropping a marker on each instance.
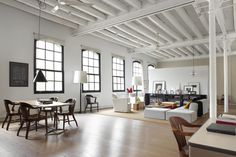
(163, 29)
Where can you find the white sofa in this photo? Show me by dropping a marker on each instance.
(155, 113)
(121, 103)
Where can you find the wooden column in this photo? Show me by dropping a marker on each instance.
(212, 59)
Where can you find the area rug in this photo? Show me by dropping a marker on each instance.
(136, 115)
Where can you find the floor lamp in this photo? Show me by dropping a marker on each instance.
(80, 77)
(137, 81)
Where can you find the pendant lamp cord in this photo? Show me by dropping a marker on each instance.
(40, 11)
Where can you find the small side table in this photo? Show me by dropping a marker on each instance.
(136, 106)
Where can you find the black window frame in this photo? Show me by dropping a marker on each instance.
(35, 69)
(134, 88)
(99, 70)
(118, 76)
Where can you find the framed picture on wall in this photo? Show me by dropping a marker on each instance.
(188, 89)
(158, 86)
(195, 86)
(18, 74)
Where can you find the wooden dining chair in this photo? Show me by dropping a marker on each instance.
(70, 112)
(177, 124)
(28, 117)
(90, 101)
(10, 112)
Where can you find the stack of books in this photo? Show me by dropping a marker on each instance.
(226, 119)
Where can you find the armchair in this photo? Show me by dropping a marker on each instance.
(121, 104)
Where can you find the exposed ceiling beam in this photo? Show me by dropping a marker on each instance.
(44, 15)
(221, 20)
(59, 13)
(135, 3)
(117, 4)
(177, 25)
(99, 5)
(135, 34)
(186, 51)
(140, 13)
(166, 28)
(155, 29)
(72, 10)
(168, 53)
(151, 54)
(187, 19)
(201, 17)
(145, 32)
(181, 53)
(104, 37)
(175, 53)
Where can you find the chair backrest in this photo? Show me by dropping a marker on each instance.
(71, 107)
(89, 99)
(7, 104)
(25, 110)
(176, 124)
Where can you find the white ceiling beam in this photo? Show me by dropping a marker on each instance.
(175, 53)
(152, 1)
(181, 53)
(168, 53)
(35, 12)
(118, 5)
(59, 13)
(135, 34)
(149, 25)
(234, 6)
(177, 25)
(183, 49)
(221, 20)
(133, 15)
(120, 39)
(166, 28)
(201, 17)
(91, 11)
(151, 54)
(72, 10)
(200, 49)
(99, 5)
(135, 3)
(104, 37)
(145, 32)
(187, 19)
(125, 35)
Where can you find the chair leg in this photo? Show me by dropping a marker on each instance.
(36, 125)
(75, 120)
(64, 116)
(97, 107)
(85, 108)
(46, 124)
(21, 124)
(9, 121)
(51, 115)
(91, 107)
(68, 119)
(4, 121)
(27, 130)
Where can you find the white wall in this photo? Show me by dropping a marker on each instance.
(17, 44)
(176, 77)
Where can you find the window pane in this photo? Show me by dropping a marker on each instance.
(90, 54)
(40, 53)
(58, 76)
(90, 70)
(49, 65)
(58, 48)
(96, 86)
(91, 78)
(96, 79)
(90, 62)
(40, 44)
(85, 68)
(58, 86)
(85, 53)
(58, 56)
(49, 86)
(40, 86)
(85, 61)
(96, 56)
(49, 55)
(96, 71)
(96, 63)
(58, 66)
(50, 75)
(40, 64)
(91, 86)
(49, 46)
(85, 86)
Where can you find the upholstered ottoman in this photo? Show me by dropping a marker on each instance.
(156, 113)
(186, 114)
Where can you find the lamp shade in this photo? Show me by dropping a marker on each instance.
(80, 77)
(137, 80)
(40, 77)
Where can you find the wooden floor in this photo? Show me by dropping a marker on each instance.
(97, 136)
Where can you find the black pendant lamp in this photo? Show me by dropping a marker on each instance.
(40, 77)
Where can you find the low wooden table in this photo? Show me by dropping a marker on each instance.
(138, 106)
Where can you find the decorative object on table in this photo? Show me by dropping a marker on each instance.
(164, 92)
(130, 90)
(178, 91)
(18, 74)
(195, 86)
(137, 81)
(158, 86)
(188, 88)
(81, 78)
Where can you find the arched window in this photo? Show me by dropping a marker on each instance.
(137, 71)
(150, 67)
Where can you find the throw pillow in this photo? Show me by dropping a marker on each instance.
(187, 105)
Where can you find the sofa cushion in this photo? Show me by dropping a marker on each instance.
(156, 113)
(186, 114)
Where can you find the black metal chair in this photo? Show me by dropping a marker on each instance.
(91, 100)
(69, 112)
(28, 118)
(10, 109)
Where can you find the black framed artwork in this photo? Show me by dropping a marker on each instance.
(18, 74)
